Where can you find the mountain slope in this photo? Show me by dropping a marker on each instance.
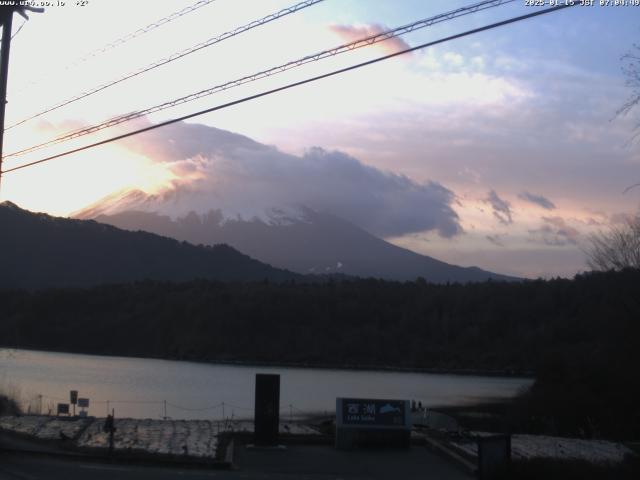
(319, 212)
(38, 251)
(309, 242)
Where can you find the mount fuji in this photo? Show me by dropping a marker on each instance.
(298, 239)
(321, 212)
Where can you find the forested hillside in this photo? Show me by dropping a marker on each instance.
(485, 326)
(40, 251)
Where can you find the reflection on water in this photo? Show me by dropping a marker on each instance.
(146, 388)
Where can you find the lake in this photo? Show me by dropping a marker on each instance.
(149, 388)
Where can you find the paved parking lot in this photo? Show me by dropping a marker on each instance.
(297, 462)
(327, 462)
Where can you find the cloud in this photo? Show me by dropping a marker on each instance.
(216, 169)
(351, 33)
(496, 240)
(621, 218)
(555, 232)
(501, 208)
(538, 200)
(454, 59)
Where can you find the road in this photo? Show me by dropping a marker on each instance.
(297, 462)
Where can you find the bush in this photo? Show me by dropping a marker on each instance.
(8, 406)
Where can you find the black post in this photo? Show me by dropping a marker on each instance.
(267, 409)
(112, 430)
(7, 23)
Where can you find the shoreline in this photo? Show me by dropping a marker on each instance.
(315, 366)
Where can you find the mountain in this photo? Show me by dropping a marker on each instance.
(298, 239)
(39, 251)
(319, 212)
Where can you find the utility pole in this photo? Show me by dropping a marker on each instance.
(6, 17)
(7, 22)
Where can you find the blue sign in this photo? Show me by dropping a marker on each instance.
(367, 412)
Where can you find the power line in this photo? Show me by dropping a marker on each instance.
(148, 28)
(295, 84)
(176, 56)
(122, 40)
(191, 409)
(24, 22)
(364, 42)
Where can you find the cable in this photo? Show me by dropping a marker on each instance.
(219, 405)
(364, 42)
(24, 22)
(274, 70)
(120, 41)
(295, 84)
(148, 28)
(136, 401)
(296, 63)
(237, 407)
(173, 57)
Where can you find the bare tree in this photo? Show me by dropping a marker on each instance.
(617, 248)
(631, 70)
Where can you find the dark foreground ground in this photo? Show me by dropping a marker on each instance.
(326, 462)
(24, 459)
(296, 462)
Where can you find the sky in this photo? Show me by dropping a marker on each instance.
(501, 149)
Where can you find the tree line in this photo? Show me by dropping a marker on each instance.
(484, 326)
(581, 337)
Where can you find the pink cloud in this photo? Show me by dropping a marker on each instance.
(351, 33)
(621, 218)
(555, 232)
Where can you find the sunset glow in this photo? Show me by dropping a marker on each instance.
(469, 116)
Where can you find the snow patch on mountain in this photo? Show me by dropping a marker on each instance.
(178, 203)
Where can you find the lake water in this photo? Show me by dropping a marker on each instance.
(144, 388)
